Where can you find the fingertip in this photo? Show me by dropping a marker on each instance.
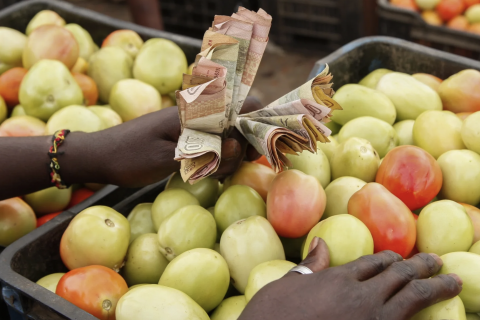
(438, 260)
(456, 278)
(313, 244)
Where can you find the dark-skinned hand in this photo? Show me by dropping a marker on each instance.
(382, 286)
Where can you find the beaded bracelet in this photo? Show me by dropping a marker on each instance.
(54, 167)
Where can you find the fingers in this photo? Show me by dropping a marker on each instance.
(318, 258)
(367, 267)
(233, 152)
(252, 154)
(420, 294)
(399, 274)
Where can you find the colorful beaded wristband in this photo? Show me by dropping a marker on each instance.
(54, 167)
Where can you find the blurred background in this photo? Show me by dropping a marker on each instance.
(307, 30)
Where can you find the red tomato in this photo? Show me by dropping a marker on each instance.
(411, 174)
(459, 23)
(256, 176)
(95, 289)
(474, 214)
(406, 4)
(44, 219)
(389, 220)
(263, 160)
(79, 196)
(469, 3)
(449, 9)
(414, 250)
(10, 85)
(295, 203)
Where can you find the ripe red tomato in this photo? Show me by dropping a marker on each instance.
(389, 220)
(263, 160)
(449, 9)
(406, 4)
(411, 174)
(79, 196)
(44, 219)
(95, 289)
(469, 3)
(256, 176)
(295, 203)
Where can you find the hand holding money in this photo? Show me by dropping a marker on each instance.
(212, 97)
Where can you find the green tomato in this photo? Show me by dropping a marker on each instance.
(247, 243)
(381, 135)
(108, 66)
(187, 228)
(48, 87)
(265, 273)
(448, 309)
(98, 235)
(473, 13)
(359, 101)
(230, 308)
(140, 219)
(475, 248)
(161, 63)
(137, 285)
(3, 110)
(442, 227)
(167, 202)
(205, 190)
(132, 98)
(338, 193)
(144, 262)
(471, 132)
(472, 316)
(410, 96)
(427, 4)
(16, 220)
(50, 282)
(355, 157)
(13, 42)
(74, 118)
(202, 274)
(236, 203)
(84, 39)
(17, 111)
(346, 236)
(438, 132)
(44, 17)
(109, 117)
(461, 176)
(328, 148)
(371, 79)
(149, 302)
(313, 164)
(404, 131)
(466, 266)
(49, 200)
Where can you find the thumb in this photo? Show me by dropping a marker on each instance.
(318, 257)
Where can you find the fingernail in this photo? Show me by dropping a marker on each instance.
(437, 258)
(313, 244)
(231, 149)
(457, 278)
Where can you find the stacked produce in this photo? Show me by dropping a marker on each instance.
(402, 173)
(55, 77)
(456, 14)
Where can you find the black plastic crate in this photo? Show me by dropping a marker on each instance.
(193, 17)
(37, 254)
(409, 25)
(98, 25)
(315, 24)
(6, 3)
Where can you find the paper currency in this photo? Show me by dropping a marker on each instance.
(212, 97)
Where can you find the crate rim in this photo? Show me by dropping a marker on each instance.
(320, 64)
(107, 20)
(414, 15)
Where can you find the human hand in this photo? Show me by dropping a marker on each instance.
(141, 151)
(379, 286)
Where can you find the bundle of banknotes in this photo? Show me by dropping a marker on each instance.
(212, 97)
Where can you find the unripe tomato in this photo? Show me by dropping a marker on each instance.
(95, 289)
(295, 203)
(411, 174)
(389, 220)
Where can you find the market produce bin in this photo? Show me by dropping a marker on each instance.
(98, 25)
(38, 254)
(315, 24)
(409, 25)
(6, 3)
